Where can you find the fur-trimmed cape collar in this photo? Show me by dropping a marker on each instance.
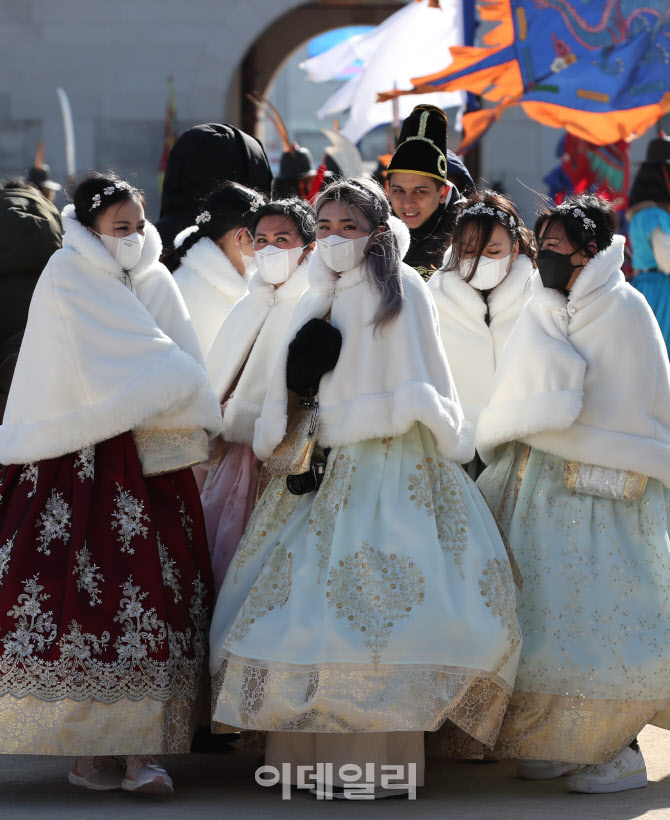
(472, 303)
(247, 346)
(585, 377)
(100, 357)
(385, 379)
(210, 263)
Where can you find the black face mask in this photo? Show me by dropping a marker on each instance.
(555, 269)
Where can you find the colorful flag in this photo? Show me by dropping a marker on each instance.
(411, 41)
(601, 70)
(170, 133)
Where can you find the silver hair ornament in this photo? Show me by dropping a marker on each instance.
(588, 223)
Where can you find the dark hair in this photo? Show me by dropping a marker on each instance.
(230, 206)
(384, 260)
(92, 188)
(651, 184)
(584, 218)
(296, 209)
(482, 211)
(18, 183)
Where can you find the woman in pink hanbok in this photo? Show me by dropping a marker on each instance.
(241, 362)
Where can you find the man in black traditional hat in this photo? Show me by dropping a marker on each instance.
(420, 192)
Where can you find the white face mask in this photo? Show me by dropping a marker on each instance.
(341, 254)
(277, 264)
(489, 273)
(125, 249)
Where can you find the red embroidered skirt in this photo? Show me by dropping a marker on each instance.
(105, 601)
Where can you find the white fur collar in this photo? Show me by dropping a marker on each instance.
(87, 244)
(212, 265)
(181, 236)
(603, 270)
(289, 291)
(512, 287)
(323, 280)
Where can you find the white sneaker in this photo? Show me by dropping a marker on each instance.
(145, 775)
(626, 771)
(101, 774)
(544, 769)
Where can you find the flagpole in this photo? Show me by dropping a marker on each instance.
(68, 127)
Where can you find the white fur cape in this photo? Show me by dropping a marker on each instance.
(474, 347)
(100, 358)
(383, 382)
(210, 286)
(251, 337)
(585, 378)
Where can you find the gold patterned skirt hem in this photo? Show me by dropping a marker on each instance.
(32, 726)
(352, 698)
(575, 729)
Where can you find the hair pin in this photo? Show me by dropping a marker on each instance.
(205, 216)
(588, 223)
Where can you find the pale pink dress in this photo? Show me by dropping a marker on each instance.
(227, 504)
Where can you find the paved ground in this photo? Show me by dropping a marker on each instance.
(223, 786)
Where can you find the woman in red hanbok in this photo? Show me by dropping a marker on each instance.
(105, 581)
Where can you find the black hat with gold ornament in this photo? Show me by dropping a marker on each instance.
(422, 146)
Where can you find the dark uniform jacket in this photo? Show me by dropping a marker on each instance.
(30, 231)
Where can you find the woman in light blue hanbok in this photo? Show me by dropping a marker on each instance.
(355, 617)
(577, 437)
(649, 230)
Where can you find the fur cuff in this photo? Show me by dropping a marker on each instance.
(156, 392)
(547, 411)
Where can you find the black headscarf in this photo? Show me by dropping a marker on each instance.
(200, 160)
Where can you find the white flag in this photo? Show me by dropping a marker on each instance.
(413, 42)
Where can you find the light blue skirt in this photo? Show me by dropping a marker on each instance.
(383, 602)
(594, 611)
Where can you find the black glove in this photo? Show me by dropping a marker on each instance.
(313, 352)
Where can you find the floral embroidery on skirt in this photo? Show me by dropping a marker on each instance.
(104, 605)
(383, 602)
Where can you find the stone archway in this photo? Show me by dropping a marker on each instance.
(289, 31)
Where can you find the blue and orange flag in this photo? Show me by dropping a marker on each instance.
(601, 70)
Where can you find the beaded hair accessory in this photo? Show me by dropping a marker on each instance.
(108, 191)
(255, 205)
(477, 208)
(482, 208)
(205, 216)
(589, 224)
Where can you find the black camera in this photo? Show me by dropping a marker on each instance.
(306, 482)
